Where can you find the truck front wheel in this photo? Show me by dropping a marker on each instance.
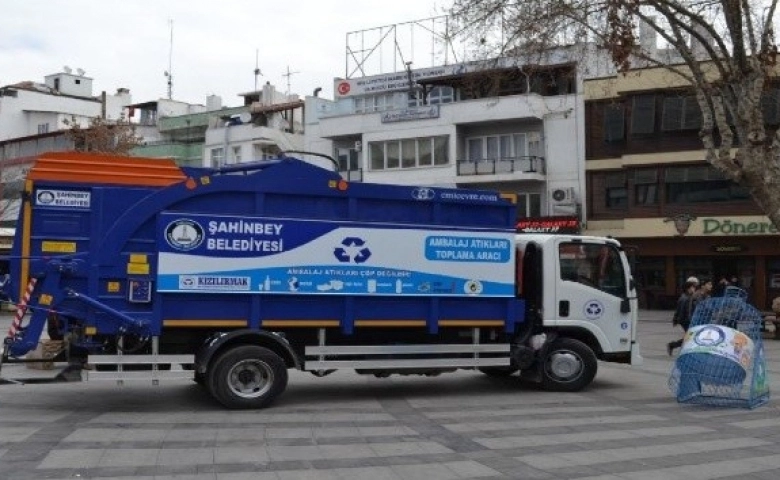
(247, 376)
(568, 366)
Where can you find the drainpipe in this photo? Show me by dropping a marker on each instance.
(225, 147)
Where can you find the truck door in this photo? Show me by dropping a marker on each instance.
(593, 284)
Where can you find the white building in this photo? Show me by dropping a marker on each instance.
(507, 126)
(272, 123)
(30, 108)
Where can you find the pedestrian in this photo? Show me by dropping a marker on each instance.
(704, 291)
(720, 288)
(683, 313)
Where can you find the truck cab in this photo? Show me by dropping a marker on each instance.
(581, 288)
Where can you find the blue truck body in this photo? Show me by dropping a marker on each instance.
(110, 247)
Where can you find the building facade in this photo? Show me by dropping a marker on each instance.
(270, 122)
(506, 126)
(650, 186)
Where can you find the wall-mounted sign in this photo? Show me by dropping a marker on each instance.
(562, 224)
(390, 82)
(412, 113)
(713, 226)
(728, 248)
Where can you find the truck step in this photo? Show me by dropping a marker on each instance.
(386, 356)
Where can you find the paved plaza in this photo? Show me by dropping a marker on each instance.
(626, 425)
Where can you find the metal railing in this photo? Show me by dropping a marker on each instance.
(497, 166)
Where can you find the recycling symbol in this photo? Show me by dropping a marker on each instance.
(593, 309)
(351, 251)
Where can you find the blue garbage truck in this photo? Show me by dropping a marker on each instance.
(231, 276)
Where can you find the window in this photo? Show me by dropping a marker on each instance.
(701, 184)
(645, 187)
(529, 205)
(347, 159)
(374, 103)
(616, 191)
(497, 147)
(614, 123)
(643, 115)
(236, 154)
(436, 96)
(43, 128)
(681, 113)
(593, 265)
(408, 153)
(439, 95)
(770, 106)
(217, 156)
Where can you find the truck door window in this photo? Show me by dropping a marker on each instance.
(597, 266)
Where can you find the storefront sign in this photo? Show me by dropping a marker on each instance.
(564, 225)
(729, 248)
(713, 226)
(412, 113)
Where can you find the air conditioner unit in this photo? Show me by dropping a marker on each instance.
(534, 136)
(358, 146)
(563, 196)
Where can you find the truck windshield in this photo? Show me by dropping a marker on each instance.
(594, 265)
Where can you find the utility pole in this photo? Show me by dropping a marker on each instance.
(258, 73)
(169, 72)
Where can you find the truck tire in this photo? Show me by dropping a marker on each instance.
(568, 366)
(247, 376)
(498, 372)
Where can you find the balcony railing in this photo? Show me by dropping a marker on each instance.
(528, 164)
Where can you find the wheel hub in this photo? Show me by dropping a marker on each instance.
(565, 365)
(250, 378)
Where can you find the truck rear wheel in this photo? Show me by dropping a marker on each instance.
(568, 366)
(247, 376)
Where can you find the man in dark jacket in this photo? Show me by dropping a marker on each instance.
(683, 313)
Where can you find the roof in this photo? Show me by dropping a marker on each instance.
(277, 107)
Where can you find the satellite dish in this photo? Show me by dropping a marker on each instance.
(245, 117)
(67, 69)
(80, 71)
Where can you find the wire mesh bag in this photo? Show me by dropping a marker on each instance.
(722, 359)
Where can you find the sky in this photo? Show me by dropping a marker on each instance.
(127, 44)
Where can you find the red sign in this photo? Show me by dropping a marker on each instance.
(343, 88)
(567, 225)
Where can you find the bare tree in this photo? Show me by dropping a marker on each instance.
(725, 51)
(103, 136)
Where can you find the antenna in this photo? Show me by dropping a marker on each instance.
(288, 75)
(258, 73)
(169, 73)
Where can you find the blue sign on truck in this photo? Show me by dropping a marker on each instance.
(228, 254)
